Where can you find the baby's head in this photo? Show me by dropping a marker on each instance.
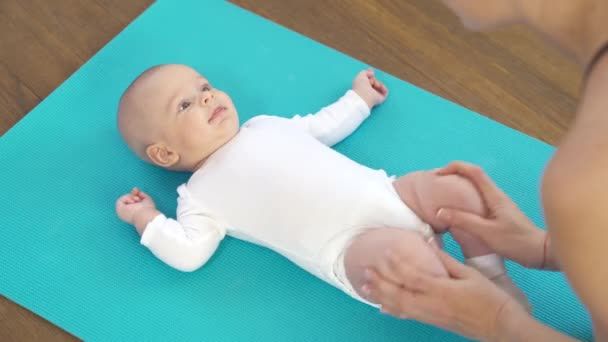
(172, 117)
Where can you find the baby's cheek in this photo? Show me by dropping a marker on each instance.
(226, 100)
(192, 132)
(194, 139)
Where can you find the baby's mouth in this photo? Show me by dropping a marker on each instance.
(217, 113)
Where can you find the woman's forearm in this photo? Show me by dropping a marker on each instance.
(517, 325)
(578, 28)
(575, 193)
(532, 330)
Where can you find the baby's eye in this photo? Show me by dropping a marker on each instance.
(184, 105)
(206, 87)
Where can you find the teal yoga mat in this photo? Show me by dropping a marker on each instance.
(67, 257)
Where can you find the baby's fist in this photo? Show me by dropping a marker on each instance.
(128, 205)
(372, 91)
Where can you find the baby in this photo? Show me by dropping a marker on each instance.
(276, 182)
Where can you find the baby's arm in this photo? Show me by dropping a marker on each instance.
(337, 121)
(184, 244)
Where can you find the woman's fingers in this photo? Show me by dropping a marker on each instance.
(399, 271)
(488, 189)
(469, 222)
(455, 269)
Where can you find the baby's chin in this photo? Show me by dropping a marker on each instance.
(232, 118)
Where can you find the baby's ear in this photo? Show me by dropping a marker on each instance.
(162, 155)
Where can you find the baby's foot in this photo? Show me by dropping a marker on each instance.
(479, 256)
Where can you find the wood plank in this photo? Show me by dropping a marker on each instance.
(125, 11)
(15, 99)
(17, 324)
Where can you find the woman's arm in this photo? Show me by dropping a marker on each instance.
(575, 197)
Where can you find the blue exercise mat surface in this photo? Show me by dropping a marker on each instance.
(66, 256)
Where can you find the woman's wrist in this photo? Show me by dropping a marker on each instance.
(600, 53)
(531, 253)
(549, 260)
(555, 20)
(511, 318)
(515, 324)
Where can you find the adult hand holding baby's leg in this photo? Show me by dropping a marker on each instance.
(136, 208)
(505, 228)
(466, 302)
(369, 249)
(425, 192)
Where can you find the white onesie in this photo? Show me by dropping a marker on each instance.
(278, 184)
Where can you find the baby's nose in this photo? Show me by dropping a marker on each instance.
(207, 97)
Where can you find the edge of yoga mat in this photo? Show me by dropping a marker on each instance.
(309, 303)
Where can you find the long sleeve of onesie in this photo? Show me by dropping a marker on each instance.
(188, 242)
(337, 121)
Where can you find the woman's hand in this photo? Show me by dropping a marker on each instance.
(505, 229)
(466, 302)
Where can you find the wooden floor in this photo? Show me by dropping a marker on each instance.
(508, 75)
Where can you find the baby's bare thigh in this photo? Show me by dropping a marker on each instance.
(369, 249)
(426, 192)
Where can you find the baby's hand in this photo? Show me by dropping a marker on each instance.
(128, 205)
(372, 91)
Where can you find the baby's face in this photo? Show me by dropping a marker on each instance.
(193, 118)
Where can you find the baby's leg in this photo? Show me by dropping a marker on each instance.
(369, 248)
(426, 192)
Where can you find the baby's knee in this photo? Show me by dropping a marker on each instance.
(461, 192)
(451, 191)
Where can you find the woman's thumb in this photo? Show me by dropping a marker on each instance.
(469, 222)
(455, 269)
